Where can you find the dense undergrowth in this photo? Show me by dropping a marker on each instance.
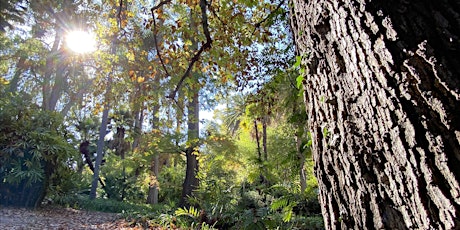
(252, 211)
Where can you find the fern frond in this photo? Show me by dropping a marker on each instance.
(279, 204)
(191, 212)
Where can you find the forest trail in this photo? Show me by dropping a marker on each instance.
(59, 218)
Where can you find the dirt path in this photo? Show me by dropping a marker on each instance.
(58, 218)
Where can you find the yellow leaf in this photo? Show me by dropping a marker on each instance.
(3, 81)
(140, 79)
(131, 73)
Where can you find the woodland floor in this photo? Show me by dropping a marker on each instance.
(59, 218)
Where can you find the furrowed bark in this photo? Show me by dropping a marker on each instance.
(383, 100)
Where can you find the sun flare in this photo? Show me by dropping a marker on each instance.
(81, 41)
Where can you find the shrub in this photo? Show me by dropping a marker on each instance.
(34, 154)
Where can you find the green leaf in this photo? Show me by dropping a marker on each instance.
(298, 60)
(191, 212)
(287, 216)
(277, 204)
(299, 81)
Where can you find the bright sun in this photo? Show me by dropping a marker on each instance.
(81, 41)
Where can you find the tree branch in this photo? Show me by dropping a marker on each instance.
(160, 5)
(258, 24)
(196, 56)
(205, 46)
(155, 39)
(120, 9)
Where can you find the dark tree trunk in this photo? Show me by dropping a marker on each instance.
(84, 150)
(191, 181)
(383, 99)
(259, 153)
(264, 137)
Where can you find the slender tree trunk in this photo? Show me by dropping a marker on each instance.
(100, 142)
(152, 197)
(154, 187)
(383, 102)
(58, 87)
(264, 137)
(49, 70)
(139, 119)
(257, 140)
(191, 181)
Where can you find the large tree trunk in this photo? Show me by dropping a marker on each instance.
(383, 101)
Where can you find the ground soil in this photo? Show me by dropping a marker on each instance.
(59, 218)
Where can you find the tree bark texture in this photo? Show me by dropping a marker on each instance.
(382, 91)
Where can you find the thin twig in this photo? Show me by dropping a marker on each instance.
(258, 24)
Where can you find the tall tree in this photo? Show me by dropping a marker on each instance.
(210, 37)
(191, 181)
(382, 95)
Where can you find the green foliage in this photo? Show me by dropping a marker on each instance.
(170, 180)
(34, 151)
(123, 179)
